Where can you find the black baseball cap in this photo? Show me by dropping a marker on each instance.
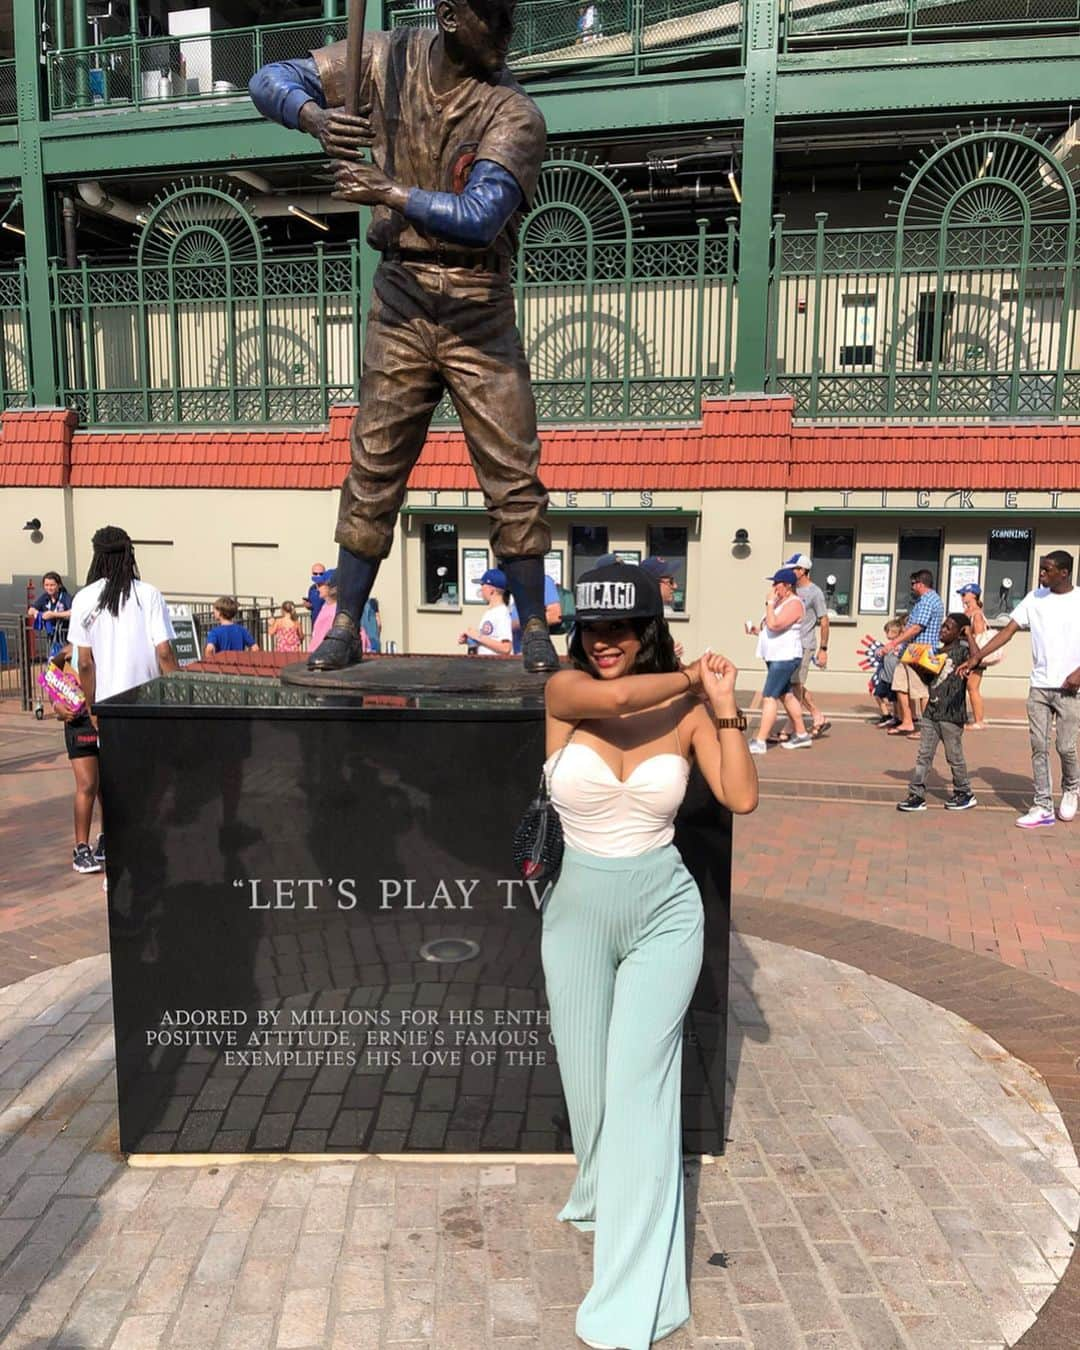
(617, 591)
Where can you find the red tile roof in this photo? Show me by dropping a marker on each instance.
(35, 447)
(740, 443)
(980, 457)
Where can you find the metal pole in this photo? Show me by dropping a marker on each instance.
(755, 214)
(329, 9)
(71, 259)
(79, 43)
(59, 26)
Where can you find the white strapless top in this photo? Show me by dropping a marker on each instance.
(610, 818)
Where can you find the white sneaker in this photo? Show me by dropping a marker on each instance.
(1070, 799)
(759, 747)
(600, 1345)
(803, 742)
(1036, 817)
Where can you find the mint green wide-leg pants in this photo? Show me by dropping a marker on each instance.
(622, 949)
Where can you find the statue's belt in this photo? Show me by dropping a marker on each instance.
(488, 261)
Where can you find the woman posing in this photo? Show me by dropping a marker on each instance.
(622, 940)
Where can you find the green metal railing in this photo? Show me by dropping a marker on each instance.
(828, 23)
(8, 106)
(150, 72)
(630, 34)
(14, 340)
(974, 321)
(641, 329)
(270, 340)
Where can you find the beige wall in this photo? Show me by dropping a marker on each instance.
(20, 556)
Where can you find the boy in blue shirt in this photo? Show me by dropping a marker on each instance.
(227, 635)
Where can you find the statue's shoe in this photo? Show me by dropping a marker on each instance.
(538, 654)
(340, 647)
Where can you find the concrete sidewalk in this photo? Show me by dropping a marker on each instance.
(892, 1179)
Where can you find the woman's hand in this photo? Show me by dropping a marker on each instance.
(718, 676)
(693, 674)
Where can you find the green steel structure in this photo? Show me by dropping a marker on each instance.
(956, 299)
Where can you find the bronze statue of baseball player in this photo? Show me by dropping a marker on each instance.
(456, 151)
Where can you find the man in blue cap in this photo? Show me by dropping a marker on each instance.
(494, 635)
(663, 573)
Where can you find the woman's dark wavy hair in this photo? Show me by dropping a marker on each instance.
(656, 655)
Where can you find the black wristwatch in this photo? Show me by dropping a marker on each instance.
(735, 723)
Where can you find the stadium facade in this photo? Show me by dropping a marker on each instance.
(797, 278)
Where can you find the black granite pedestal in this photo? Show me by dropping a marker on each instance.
(317, 940)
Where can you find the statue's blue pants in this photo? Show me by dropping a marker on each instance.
(622, 948)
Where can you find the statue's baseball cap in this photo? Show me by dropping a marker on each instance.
(618, 591)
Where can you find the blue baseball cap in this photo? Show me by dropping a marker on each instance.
(658, 568)
(970, 589)
(328, 578)
(785, 574)
(494, 576)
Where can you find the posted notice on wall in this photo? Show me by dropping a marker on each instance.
(875, 583)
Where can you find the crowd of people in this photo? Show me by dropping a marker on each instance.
(927, 677)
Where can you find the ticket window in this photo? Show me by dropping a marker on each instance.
(918, 549)
(671, 543)
(588, 544)
(1008, 570)
(833, 555)
(441, 582)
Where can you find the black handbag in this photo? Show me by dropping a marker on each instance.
(538, 839)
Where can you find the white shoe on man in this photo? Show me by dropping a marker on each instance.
(1070, 799)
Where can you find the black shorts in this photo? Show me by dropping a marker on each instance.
(80, 738)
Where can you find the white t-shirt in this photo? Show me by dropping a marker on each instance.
(495, 624)
(123, 644)
(1054, 621)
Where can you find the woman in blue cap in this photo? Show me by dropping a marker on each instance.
(622, 942)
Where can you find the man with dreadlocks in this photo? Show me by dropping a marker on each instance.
(119, 624)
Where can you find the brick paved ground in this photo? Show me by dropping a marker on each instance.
(827, 840)
(894, 1179)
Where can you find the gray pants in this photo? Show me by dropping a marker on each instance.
(952, 737)
(1043, 706)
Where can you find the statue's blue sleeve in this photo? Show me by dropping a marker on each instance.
(281, 89)
(473, 218)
